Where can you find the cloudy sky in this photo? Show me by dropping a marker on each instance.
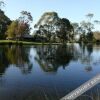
(74, 10)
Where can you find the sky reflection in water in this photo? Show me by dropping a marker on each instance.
(46, 72)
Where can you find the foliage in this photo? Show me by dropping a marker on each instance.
(49, 58)
(50, 27)
(25, 17)
(4, 22)
(90, 16)
(85, 28)
(64, 29)
(97, 36)
(18, 28)
(53, 28)
(47, 18)
(12, 29)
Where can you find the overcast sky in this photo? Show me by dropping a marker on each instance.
(74, 10)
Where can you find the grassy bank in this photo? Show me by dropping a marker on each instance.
(10, 42)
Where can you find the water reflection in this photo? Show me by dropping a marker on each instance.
(15, 55)
(86, 57)
(50, 58)
(25, 68)
(3, 60)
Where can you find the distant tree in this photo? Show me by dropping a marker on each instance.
(96, 21)
(21, 26)
(2, 4)
(12, 30)
(90, 16)
(90, 26)
(77, 30)
(47, 18)
(89, 23)
(47, 21)
(47, 31)
(54, 27)
(24, 24)
(87, 28)
(22, 29)
(76, 27)
(17, 29)
(26, 17)
(64, 29)
(97, 36)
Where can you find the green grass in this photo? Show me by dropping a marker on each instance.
(24, 42)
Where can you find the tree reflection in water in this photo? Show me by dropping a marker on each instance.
(86, 57)
(3, 60)
(51, 57)
(15, 55)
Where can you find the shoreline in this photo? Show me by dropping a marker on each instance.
(11, 42)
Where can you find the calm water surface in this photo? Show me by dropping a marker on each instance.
(46, 72)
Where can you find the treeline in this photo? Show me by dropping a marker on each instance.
(14, 29)
(50, 28)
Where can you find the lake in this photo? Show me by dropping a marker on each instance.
(47, 72)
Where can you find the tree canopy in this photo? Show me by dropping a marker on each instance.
(53, 27)
(50, 27)
(18, 28)
(4, 22)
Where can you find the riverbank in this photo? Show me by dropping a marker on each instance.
(10, 42)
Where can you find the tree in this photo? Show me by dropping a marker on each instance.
(65, 28)
(18, 28)
(26, 17)
(12, 30)
(2, 4)
(97, 21)
(54, 27)
(90, 26)
(47, 21)
(87, 28)
(76, 27)
(89, 16)
(24, 24)
(22, 29)
(89, 23)
(4, 22)
(47, 18)
(47, 30)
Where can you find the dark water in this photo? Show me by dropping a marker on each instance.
(46, 72)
